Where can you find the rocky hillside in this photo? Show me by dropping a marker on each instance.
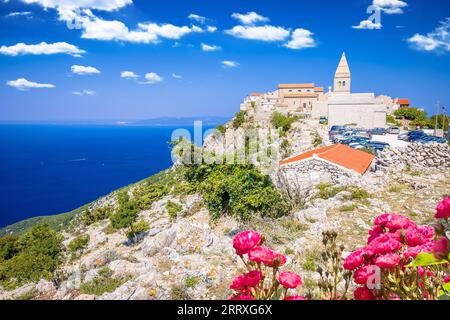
(170, 236)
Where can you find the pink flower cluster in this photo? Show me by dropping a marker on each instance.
(443, 209)
(252, 285)
(394, 241)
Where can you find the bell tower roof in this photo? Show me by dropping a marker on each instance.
(343, 70)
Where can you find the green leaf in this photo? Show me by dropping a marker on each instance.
(426, 259)
(446, 287)
(444, 297)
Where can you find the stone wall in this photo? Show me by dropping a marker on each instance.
(315, 171)
(416, 156)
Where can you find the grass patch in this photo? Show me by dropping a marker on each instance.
(348, 207)
(191, 282)
(103, 282)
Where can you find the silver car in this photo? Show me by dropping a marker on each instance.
(393, 130)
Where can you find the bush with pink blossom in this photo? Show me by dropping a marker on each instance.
(263, 280)
(403, 260)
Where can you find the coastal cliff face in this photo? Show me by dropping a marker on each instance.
(163, 239)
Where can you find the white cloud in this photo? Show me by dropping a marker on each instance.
(197, 18)
(129, 75)
(19, 14)
(390, 6)
(84, 93)
(152, 78)
(249, 18)
(105, 5)
(43, 48)
(436, 41)
(82, 70)
(78, 15)
(368, 25)
(177, 76)
(23, 84)
(210, 48)
(300, 39)
(229, 64)
(96, 28)
(211, 29)
(264, 33)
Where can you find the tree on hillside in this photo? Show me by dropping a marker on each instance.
(411, 113)
(442, 121)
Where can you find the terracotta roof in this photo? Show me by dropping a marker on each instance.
(256, 94)
(402, 101)
(318, 89)
(296, 85)
(300, 95)
(340, 155)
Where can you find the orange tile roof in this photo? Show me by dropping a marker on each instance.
(318, 89)
(402, 101)
(296, 85)
(338, 154)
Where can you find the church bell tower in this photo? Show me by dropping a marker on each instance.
(342, 78)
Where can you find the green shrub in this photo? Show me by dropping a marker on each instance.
(137, 229)
(237, 190)
(239, 119)
(310, 261)
(317, 139)
(191, 282)
(145, 195)
(348, 207)
(221, 128)
(356, 193)
(173, 209)
(103, 282)
(91, 216)
(78, 244)
(327, 191)
(126, 212)
(33, 256)
(391, 120)
(282, 122)
(411, 113)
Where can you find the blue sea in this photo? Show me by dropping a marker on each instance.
(50, 169)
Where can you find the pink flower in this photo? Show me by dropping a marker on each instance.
(440, 248)
(382, 219)
(416, 236)
(385, 243)
(393, 296)
(289, 280)
(354, 260)
(238, 283)
(363, 293)
(374, 233)
(295, 298)
(447, 279)
(278, 260)
(242, 297)
(412, 252)
(362, 275)
(262, 255)
(443, 209)
(399, 222)
(387, 261)
(422, 272)
(252, 278)
(245, 241)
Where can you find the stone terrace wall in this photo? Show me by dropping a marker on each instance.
(317, 171)
(417, 156)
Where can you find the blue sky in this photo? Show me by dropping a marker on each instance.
(77, 74)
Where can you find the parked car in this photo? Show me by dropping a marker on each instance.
(323, 120)
(378, 131)
(336, 128)
(415, 135)
(356, 145)
(376, 145)
(411, 134)
(355, 139)
(393, 130)
(427, 139)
